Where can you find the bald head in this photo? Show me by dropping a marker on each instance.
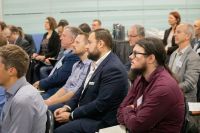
(197, 28)
(184, 34)
(135, 33)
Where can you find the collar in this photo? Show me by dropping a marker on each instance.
(67, 51)
(182, 51)
(154, 73)
(16, 86)
(86, 61)
(98, 62)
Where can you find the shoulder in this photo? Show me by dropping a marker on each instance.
(192, 55)
(71, 56)
(26, 95)
(55, 34)
(162, 87)
(113, 64)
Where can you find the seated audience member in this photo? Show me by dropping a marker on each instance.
(17, 38)
(3, 41)
(96, 24)
(85, 27)
(24, 110)
(49, 48)
(196, 47)
(152, 105)
(61, 24)
(29, 38)
(135, 33)
(46, 69)
(184, 62)
(2, 26)
(95, 104)
(79, 72)
(174, 20)
(63, 68)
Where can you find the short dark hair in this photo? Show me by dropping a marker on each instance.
(85, 27)
(52, 23)
(177, 16)
(154, 46)
(14, 56)
(3, 40)
(97, 20)
(63, 23)
(104, 35)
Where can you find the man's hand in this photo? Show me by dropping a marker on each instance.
(59, 111)
(36, 84)
(61, 115)
(130, 106)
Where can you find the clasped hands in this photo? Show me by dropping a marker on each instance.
(61, 115)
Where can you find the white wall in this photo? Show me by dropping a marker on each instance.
(1, 9)
(30, 14)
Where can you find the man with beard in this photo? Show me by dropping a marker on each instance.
(152, 105)
(95, 104)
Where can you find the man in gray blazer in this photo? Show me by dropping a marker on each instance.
(184, 62)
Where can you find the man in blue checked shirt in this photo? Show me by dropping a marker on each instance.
(79, 72)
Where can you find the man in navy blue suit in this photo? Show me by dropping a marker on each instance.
(95, 104)
(62, 69)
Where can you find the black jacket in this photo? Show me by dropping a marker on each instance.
(174, 45)
(53, 45)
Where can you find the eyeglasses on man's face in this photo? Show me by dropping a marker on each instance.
(134, 54)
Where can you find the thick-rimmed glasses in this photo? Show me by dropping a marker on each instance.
(134, 53)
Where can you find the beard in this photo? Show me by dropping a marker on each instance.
(134, 73)
(95, 55)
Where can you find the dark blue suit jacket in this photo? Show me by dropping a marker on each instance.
(60, 75)
(102, 98)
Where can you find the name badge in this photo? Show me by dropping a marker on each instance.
(179, 64)
(91, 83)
(139, 100)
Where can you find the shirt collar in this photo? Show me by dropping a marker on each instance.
(16, 86)
(98, 62)
(86, 61)
(67, 51)
(182, 51)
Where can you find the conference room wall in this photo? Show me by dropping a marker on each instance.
(30, 14)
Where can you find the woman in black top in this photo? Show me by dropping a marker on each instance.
(49, 48)
(174, 19)
(50, 44)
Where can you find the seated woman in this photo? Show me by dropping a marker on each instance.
(49, 48)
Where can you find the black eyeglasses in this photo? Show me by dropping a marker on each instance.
(134, 53)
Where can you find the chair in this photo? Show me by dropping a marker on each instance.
(50, 122)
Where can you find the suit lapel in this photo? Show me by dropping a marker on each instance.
(100, 67)
(172, 59)
(182, 60)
